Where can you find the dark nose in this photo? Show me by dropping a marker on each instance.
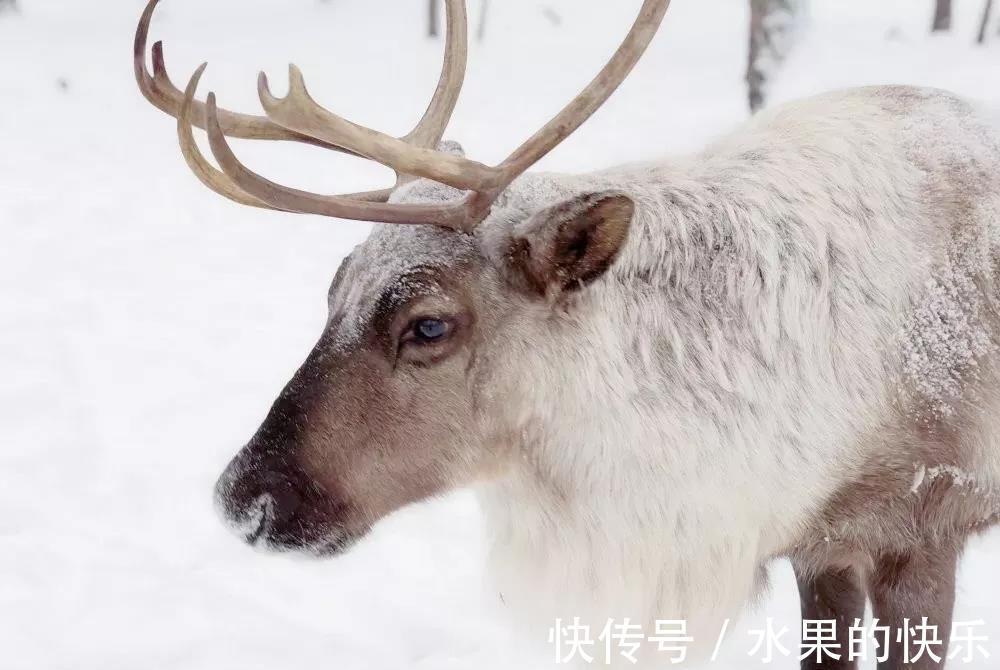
(258, 503)
(285, 497)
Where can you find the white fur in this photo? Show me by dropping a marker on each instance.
(769, 311)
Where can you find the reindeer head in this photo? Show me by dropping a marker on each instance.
(401, 398)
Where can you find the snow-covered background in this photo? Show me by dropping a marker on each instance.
(146, 324)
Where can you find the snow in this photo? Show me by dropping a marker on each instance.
(946, 335)
(147, 324)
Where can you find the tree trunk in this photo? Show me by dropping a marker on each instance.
(984, 26)
(942, 15)
(432, 18)
(483, 13)
(772, 26)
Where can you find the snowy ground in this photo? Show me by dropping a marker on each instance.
(146, 324)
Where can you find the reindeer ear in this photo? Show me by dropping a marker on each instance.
(569, 245)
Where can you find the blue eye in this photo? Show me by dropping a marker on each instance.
(430, 330)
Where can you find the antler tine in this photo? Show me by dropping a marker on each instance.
(298, 111)
(206, 173)
(218, 181)
(461, 215)
(429, 131)
(593, 96)
(159, 90)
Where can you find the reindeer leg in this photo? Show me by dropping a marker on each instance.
(834, 595)
(910, 587)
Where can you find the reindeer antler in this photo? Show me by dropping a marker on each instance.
(299, 118)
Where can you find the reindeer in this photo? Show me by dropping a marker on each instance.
(659, 377)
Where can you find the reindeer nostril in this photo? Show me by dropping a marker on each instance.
(258, 518)
(274, 508)
(260, 504)
(284, 495)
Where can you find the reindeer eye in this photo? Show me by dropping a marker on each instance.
(430, 330)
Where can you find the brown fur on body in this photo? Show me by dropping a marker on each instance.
(896, 541)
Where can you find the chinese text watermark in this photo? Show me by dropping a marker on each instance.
(819, 640)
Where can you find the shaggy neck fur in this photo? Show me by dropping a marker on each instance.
(683, 420)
